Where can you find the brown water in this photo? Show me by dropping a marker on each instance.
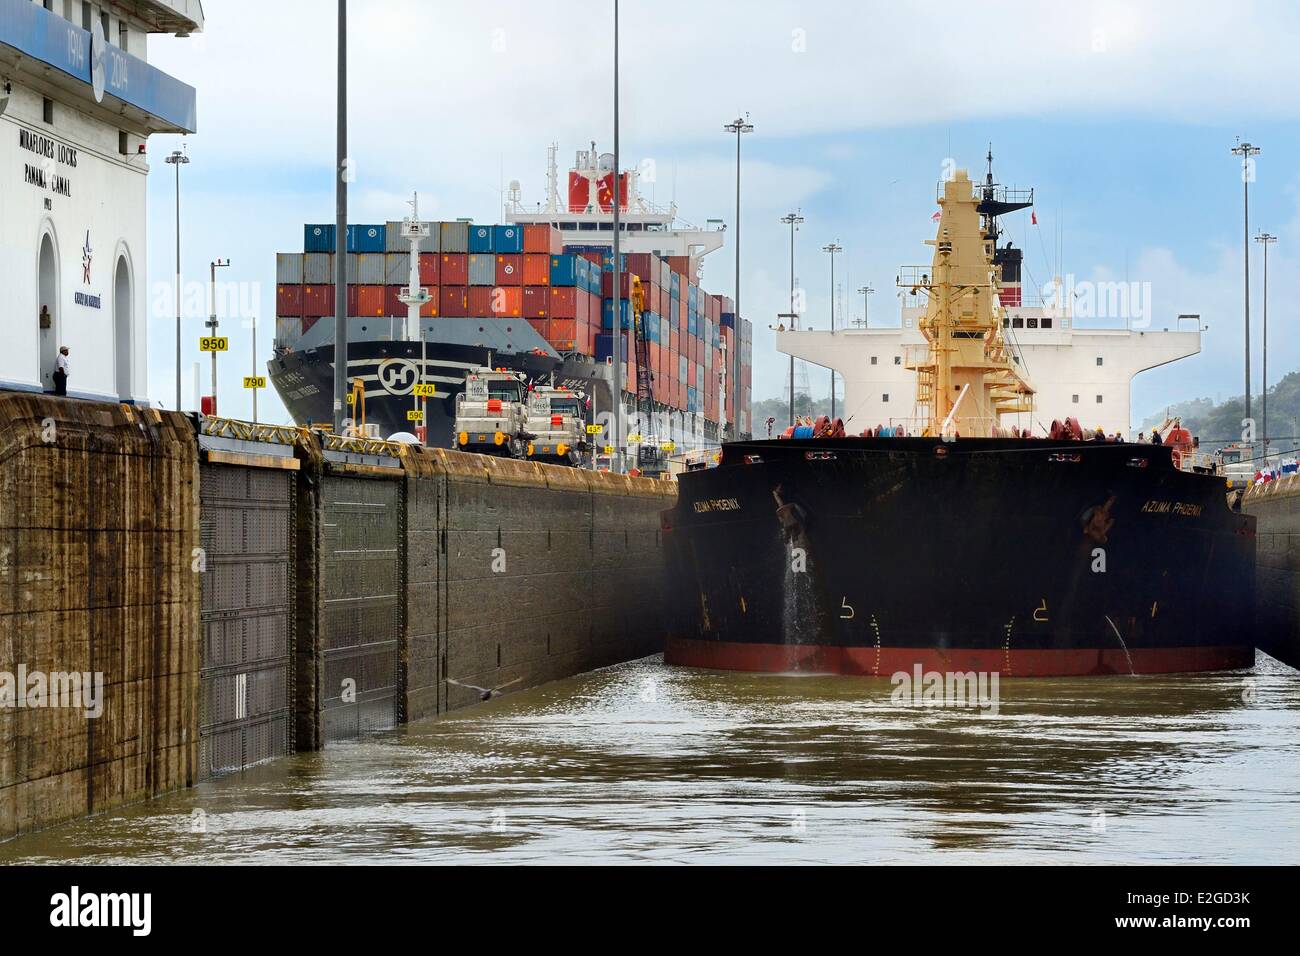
(645, 762)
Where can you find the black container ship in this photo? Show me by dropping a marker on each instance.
(960, 545)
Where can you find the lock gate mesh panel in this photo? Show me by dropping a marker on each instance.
(361, 608)
(246, 518)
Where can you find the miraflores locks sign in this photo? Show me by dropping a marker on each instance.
(50, 171)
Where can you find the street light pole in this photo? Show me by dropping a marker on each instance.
(792, 219)
(254, 369)
(738, 126)
(1265, 240)
(178, 159)
(1247, 152)
(866, 292)
(617, 330)
(212, 324)
(341, 174)
(832, 248)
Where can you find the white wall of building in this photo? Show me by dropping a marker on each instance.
(105, 202)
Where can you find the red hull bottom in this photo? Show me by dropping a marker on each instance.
(882, 662)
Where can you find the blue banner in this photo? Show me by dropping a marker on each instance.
(36, 32)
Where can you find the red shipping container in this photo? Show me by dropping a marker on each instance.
(430, 309)
(453, 300)
(510, 270)
(508, 301)
(607, 285)
(393, 306)
(317, 300)
(682, 266)
(429, 270)
(537, 301)
(369, 300)
(690, 374)
(564, 302)
(587, 308)
(543, 238)
(480, 300)
(288, 301)
(539, 326)
(308, 323)
(563, 334)
(455, 269)
(537, 269)
(638, 263)
(591, 255)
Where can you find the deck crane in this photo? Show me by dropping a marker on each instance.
(650, 459)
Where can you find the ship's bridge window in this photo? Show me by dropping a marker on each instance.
(885, 397)
(898, 360)
(873, 360)
(1098, 399)
(1099, 360)
(1046, 323)
(1006, 322)
(1075, 399)
(1017, 323)
(1031, 323)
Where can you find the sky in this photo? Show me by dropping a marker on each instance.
(1121, 116)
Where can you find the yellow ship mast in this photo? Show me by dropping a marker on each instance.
(967, 379)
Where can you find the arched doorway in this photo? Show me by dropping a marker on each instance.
(122, 328)
(47, 308)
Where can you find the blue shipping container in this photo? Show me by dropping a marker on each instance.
(480, 238)
(605, 346)
(507, 239)
(367, 238)
(692, 323)
(729, 320)
(607, 313)
(607, 261)
(318, 237)
(564, 271)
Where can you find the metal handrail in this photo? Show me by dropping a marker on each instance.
(250, 431)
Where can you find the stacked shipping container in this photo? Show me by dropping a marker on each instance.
(565, 293)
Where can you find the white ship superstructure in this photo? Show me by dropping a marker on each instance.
(584, 213)
(1084, 372)
(78, 102)
(1080, 372)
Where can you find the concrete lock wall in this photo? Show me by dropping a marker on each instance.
(223, 606)
(520, 573)
(98, 531)
(1276, 507)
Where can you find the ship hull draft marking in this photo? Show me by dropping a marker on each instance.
(951, 556)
